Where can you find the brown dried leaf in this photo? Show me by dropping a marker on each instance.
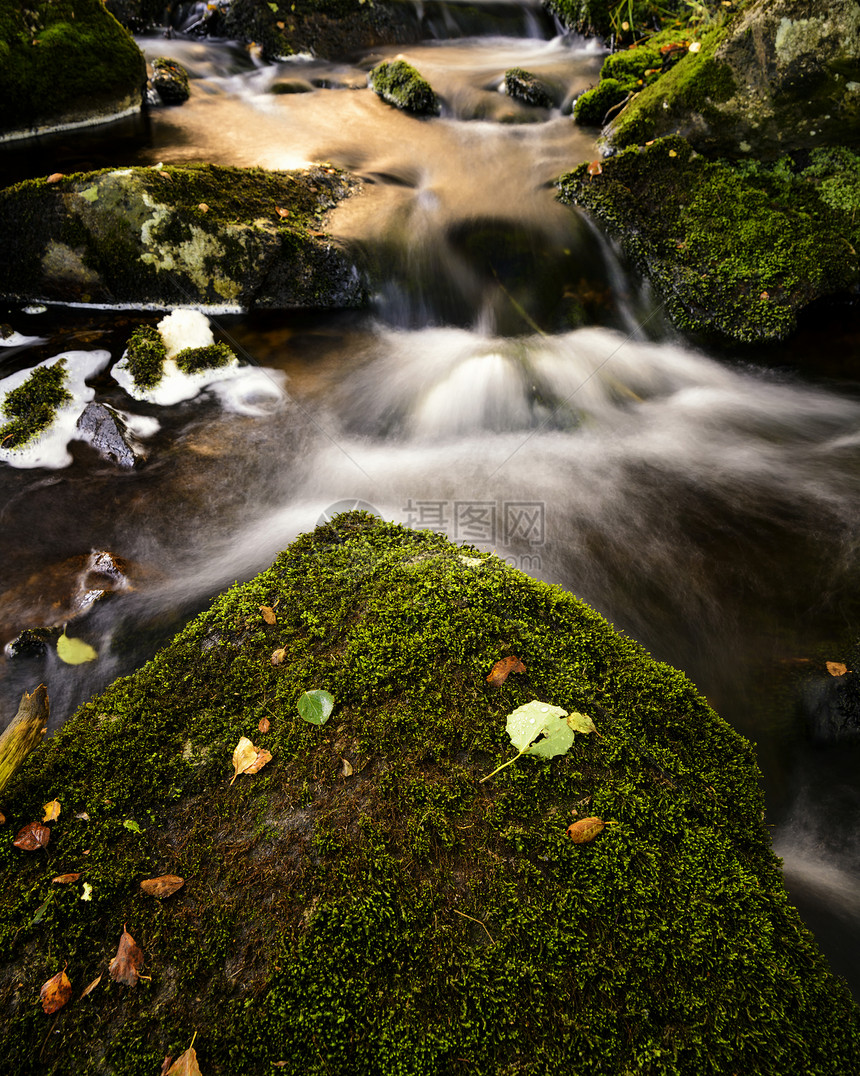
(163, 886)
(55, 992)
(63, 879)
(32, 837)
(125, 966)
(165, 1065)
(836, 668)
(2, 819)
(264, 725)
(503, 668)
(55, 177)
(278, 656)
(52, 811)
(268, 614)
(185, 1064)
(347, 770)
(262, 758)
(586, 829)
(90, 988)
(244, 753)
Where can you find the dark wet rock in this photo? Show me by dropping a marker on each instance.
(291, 85)
(68, 64)
(528, 88)
(205, 234)
(398, 83)
(32, 642)
(170, 81)
(6, 331)
(105, 430)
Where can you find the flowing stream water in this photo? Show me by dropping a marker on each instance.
(512, 385)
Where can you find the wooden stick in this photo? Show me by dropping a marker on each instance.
(24, 732)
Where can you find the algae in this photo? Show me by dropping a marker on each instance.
(32, 406)
(408, 919)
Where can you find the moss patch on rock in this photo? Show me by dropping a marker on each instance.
(31, 408)
(524, 86)
(398, 83)
(205, 234)
(191, 360)
(734, 251)
(145, 356)
(365, 903)
(64, 61)
(170, 81)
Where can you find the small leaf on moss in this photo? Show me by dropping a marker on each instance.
(278, 656)
(268, 614)
(581, 723)
(248, 759)
(52, 811)
(586, 829)
(90, 987)
(185, 1064)
(125, 966)
(836, 668)
(32, 837)
(55, 992)
(265, 724)
(540, 729)
(163, 886)
(316, 706)
(503, 668)
(63, 879)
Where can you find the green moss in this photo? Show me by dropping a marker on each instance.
(733, 251)
(594, 107)
(408, 919)
(526, 87)
(32, 406)
(193, 359)
(398, 83)
(145, 356)
(631, 65)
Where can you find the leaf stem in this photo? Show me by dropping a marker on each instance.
(508, 763)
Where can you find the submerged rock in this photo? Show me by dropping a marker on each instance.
(170, 81)
(65, 65)
(203, 235)
(526, 87)
(366, 903)
(398, 83)
(105, 430)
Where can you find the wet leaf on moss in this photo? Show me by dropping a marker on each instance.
(74, 651)
(185, 1064)
(268, 614)
(264, 725)
(64, 879)
(581, 723)
(586, 829)
(836, 668)
(32, 837)
(595, 168)
(90, 987)
(125, 966)
(503, 668)
(278, 656)
(540, 729)
(55, 992)
(316, 706)
(163, 886)
(52, 811)
(248, 759)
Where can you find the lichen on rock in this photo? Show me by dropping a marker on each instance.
(398, 914)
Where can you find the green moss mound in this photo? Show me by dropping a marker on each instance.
(58, 57)
(32, 406)
(192, 360)
(594, 107)
(145, 356)
(526, 87)
(398, 83)
(364, 903)
(734, 251)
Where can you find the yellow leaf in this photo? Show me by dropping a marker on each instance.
(74, 651)
(835, 668)
(278, 656)
(259, 762)
(268, 614)
(185, 1064)
(672, 153)
(52, 811)
(244, 755)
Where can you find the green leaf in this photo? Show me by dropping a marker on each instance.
(316, 706)
(130, 823)
(540, 729)
(74, 651)
(581, 723)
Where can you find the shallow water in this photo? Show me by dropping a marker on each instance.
(513, 385)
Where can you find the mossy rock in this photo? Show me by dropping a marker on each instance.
(145, 356)
(170, 81)
(32, 407)
(528, 88)
(398, 83)
(365, 903)
(594, 107)
(734, 252)
(65, 63)
(207, 235)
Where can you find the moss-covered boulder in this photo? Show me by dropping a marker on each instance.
(365, 903)
(170, 81)
(398, 83)
(65, 64)
(203, 235)
(526, 87)
(733, 251)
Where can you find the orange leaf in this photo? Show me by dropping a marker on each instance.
(166, 1065)
(90, 988)
(62, 879)
(262, 758)
(185, 1064)
(52, 811)
(503, 668)
(264, 725)
(125, 966)
(203, 207)
(282, 212)
(278, 656)
(163, 886)
(32, 837)
(2, 818)
(55, 992)
(268, 614)
(55, 177)
(586, 829)
(836, 668)
(595, 168)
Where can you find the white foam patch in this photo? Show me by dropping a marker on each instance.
(248, 390)
(185, 328)
(19, 340)
(142, 426)
(50, 448)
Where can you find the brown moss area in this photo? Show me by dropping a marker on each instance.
(406, 917)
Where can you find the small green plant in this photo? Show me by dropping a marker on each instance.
(543, 730)
(316, 706)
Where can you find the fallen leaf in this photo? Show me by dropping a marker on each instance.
(55, 177)
(836, 668)
(586, 829)
(581, 723)
(87, 893)
(262, 758)
(163, 886)
(2, 818)
(165, 1065)
(203, 207)
(63, 879)
(52, 811)
(83, 815)
(316, 706)
(764, 295)
(125, 966)
(278, 656)
(347, 770)
(280, 25)
(268, 614)
(540, 729)
(55, 992)
(264, 725)
(32, 837)
(248, 759)
(672, 153)
(595, 168)
(89, 989)
(185, 1064)
(74, 651)
(503, 668)
(695, 46)
(282, 212)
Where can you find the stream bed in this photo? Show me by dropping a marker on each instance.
(512, 385)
